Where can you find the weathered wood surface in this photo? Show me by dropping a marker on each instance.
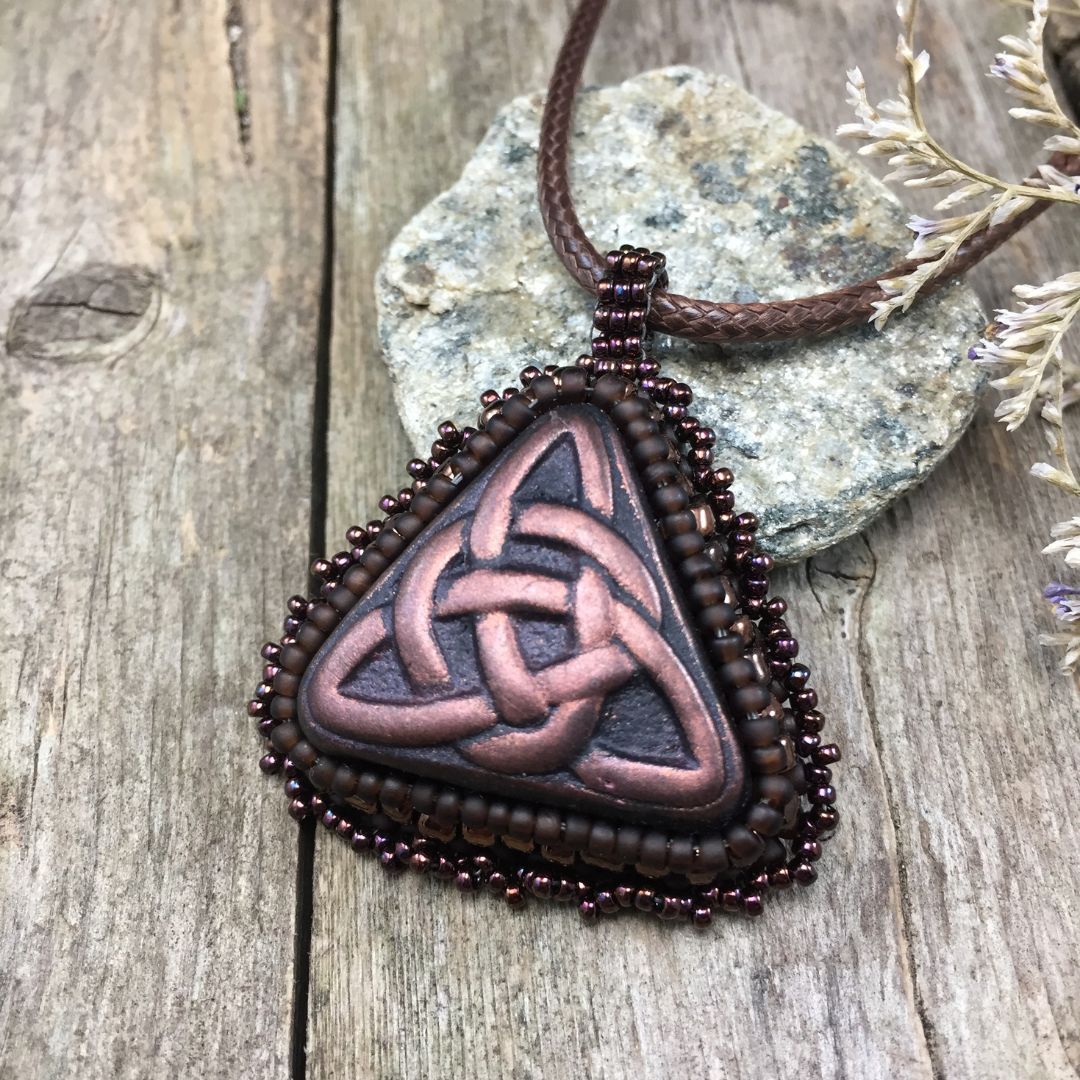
(147, 899)
(159, 299)
(943, 941)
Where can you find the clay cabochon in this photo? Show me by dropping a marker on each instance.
(460, 662)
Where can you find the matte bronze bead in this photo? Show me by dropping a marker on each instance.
(548, 826)
(310, 637)
(687, 545)
(286, 683)
(737, 673)
(650, 451)
(517, 412)
(482, 447)
(628, 844)
(712, 856)
(498, 820)
(764, 820)
(759, 732)
(744, 846)
(283, 708)
(576, 831)
(321, 774)
(304, 754)
(501, 431)
(669, 499)
(522, 823)
(680, 855)
(574, 383)
(654, 851)
(776, 791)
(751, 699)
(474, 811)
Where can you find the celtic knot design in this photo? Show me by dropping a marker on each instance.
(517, 711)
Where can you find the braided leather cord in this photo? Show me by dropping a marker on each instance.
(708, 320)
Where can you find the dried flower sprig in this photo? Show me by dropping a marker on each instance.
(1024, 346)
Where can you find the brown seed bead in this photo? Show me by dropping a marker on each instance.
(293, 659)
(522, 823)
(309, 637)
(764, 820)
(474, 811)
(744, 846)
(369, 786)
(737, 673)
(628, 844)
(654, 851)
(680, 855)
(630, 411)
(708, 592)
(341, 598)
(548, 826)
(776, 791)
(283, 708)
(661, 473)
(544, 390)
(601, 840)
(679, 523)
(727, 648)
(777, 758)
(321, 774)
(482, 447)
(717, 619)
(447, 808)
(344, 782)
(751, 699)
(286, 684)
(650, 451)
(517, 412)
(711, 856)
(669, 500)
(501, 431)
(394, 794)
(687, 546)
(574, 383)
(759, 732)
(697, 567)
(498, 820)
(609, 390)
(645, 899)
(358, 579)
(304, 754)
(576, 832)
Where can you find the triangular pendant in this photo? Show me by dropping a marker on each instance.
(554, 667)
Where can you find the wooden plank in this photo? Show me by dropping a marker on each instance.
(942, 939)
(159, 300)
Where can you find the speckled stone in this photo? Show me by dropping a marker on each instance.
(747, 205)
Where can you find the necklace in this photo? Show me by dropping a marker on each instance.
(554, 666)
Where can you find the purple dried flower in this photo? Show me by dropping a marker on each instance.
(1065, 600)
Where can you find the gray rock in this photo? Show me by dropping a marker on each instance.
(746, 204)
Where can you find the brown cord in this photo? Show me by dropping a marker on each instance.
(707, 320)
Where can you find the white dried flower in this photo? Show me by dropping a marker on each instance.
(1066, 541)
(1025, 345)
(1027, 341)
(1023, 68)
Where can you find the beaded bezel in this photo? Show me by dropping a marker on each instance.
(517, 848)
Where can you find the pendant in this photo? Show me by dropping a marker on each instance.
(554, 668)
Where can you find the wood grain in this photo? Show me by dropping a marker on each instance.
(162, 192)
(942, 941)
(160, 312)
